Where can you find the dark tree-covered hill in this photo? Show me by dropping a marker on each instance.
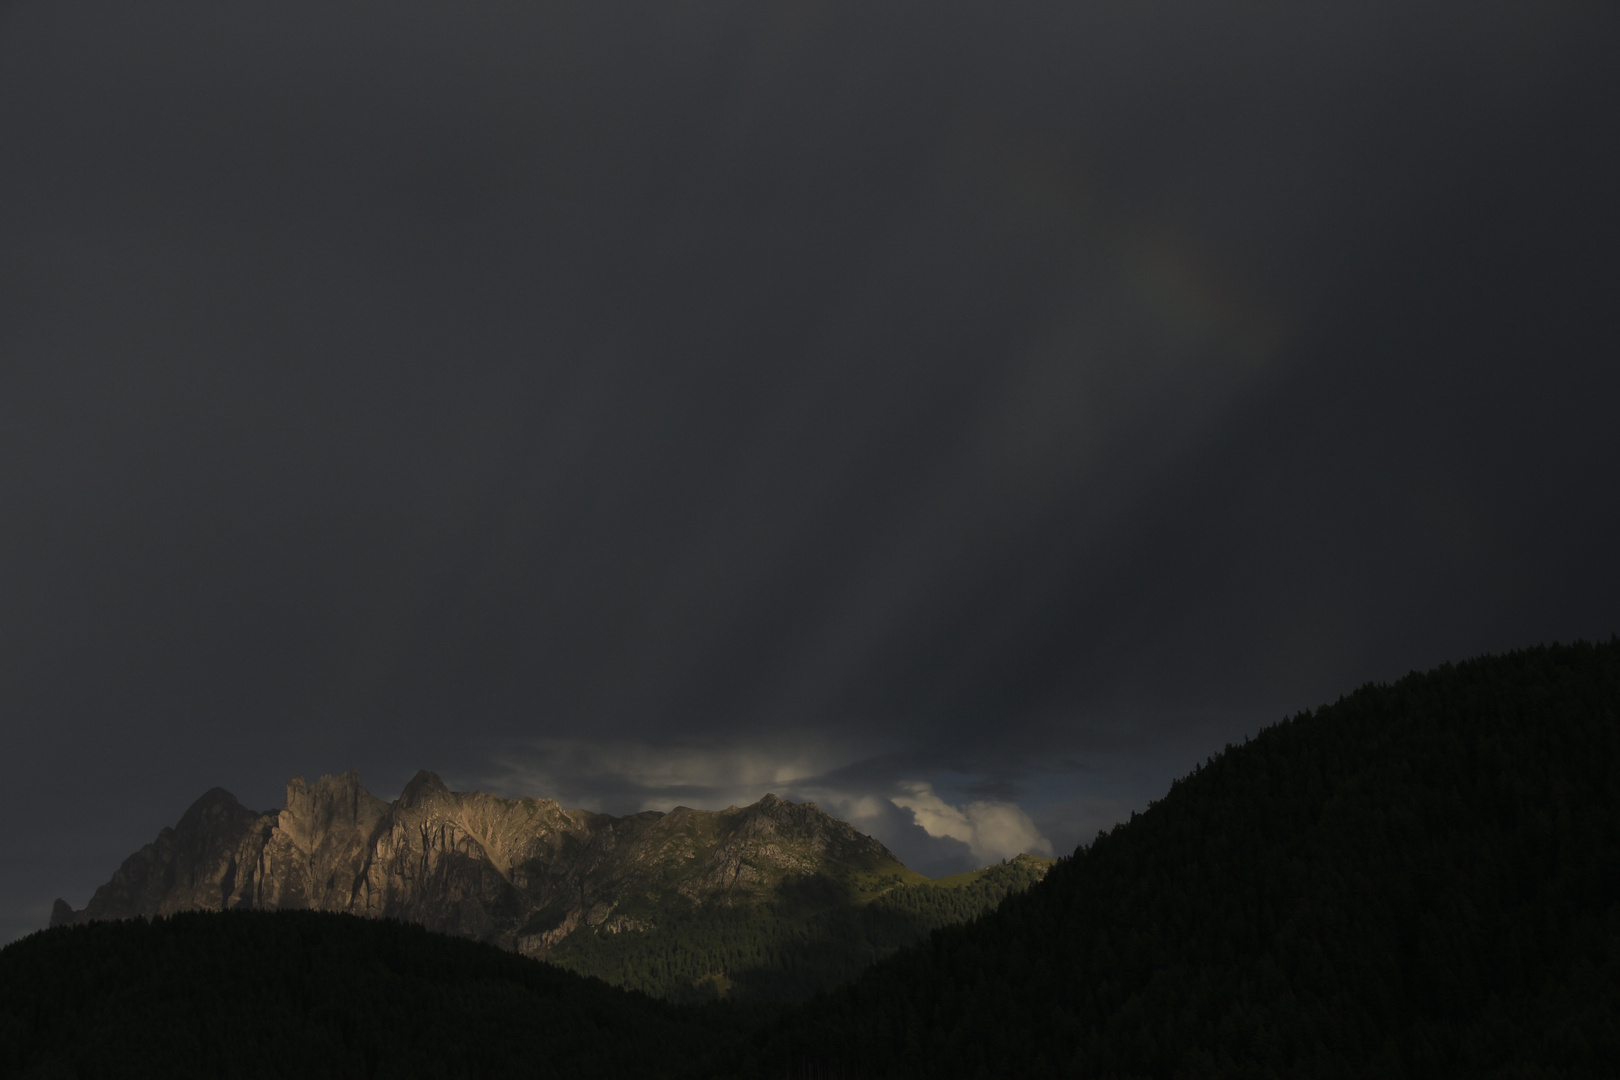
(1416, 881)
(247, 994)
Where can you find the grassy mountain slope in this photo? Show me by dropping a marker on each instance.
(1415, 881)
(813, 934)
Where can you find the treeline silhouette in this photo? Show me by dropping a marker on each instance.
(315, 994)
(1415, 881)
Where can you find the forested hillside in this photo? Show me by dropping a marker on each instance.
(1415, 881)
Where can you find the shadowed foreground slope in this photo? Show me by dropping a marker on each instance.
(1415, 881)
(245, 994)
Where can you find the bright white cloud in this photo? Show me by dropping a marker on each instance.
(991, 830)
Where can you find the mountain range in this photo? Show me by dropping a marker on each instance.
(1415, 880)
(737, 895)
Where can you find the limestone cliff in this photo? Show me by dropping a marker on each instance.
(521, 873)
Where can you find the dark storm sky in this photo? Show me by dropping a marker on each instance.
(965, 415)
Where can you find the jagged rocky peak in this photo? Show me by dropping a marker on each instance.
(216, 807)
(423, 787)
(62, 913)
(213, 797)
(333, 804)
(522, 873)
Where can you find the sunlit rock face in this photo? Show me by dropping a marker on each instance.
(522, 873)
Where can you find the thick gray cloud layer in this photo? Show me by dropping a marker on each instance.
(871, 402)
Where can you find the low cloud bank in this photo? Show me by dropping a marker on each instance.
(876, 794)
(991, 830)
(625, 775)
